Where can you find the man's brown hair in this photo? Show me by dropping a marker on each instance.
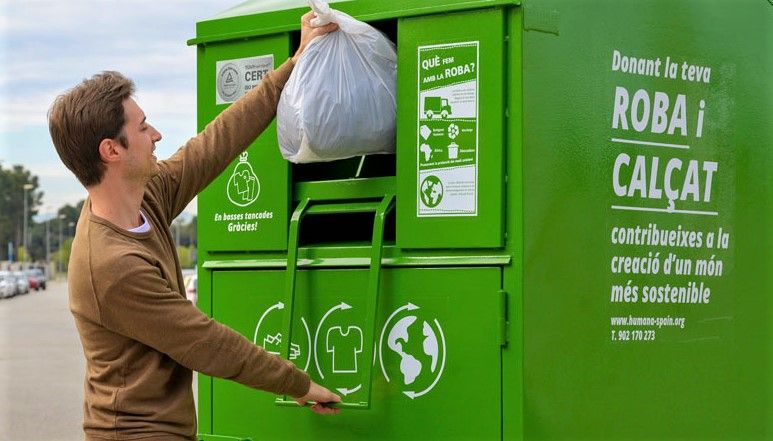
(83, 116)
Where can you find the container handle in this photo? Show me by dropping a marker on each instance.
(307, 206)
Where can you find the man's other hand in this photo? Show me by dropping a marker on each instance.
(308, 33)
(321, 396)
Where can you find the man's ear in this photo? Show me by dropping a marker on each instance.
(109, 150)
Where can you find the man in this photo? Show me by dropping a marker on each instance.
(140, 336)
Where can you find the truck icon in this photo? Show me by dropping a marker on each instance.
(435, 105)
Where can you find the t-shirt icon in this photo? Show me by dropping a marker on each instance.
(344, 346)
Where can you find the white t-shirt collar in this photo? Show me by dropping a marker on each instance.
(144, 228)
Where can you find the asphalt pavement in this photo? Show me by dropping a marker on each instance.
(41, 367)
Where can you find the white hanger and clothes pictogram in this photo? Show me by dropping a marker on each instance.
(243, 186)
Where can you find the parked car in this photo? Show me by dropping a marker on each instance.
(42, 278)
(22, 281)
(32, 281)
(37, 278)
(7, 286)
(191, 283)
(11, 281)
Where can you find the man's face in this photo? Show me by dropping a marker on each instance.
(141, 138)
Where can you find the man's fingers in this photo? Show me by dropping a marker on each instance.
(322, 30)
(320, 396)
(323, 410)
(330, 27)
(306, 18)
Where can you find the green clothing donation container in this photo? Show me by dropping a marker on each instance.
(572, 241)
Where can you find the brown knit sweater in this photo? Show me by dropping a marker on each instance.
(140, 336)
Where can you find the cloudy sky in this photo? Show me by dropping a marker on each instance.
(48, 46)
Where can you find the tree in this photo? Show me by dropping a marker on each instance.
(71, 213)
(37, 239)
(12, 182)
(62, 255)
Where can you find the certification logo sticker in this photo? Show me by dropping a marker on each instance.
(228, 82)
(236, 77)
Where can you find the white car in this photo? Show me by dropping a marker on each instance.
(10, 279)
(7, 287)
(22, 281)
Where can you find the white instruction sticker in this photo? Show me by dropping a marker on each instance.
(447, 122)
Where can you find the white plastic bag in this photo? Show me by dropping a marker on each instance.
(339, 101)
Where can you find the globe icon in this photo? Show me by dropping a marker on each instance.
(431, 191)
(397, 341)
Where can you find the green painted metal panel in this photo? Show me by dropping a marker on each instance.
(204, 383)
(686, 175)
(246, 207)
(344, 189)
(450, 130)
(437, 336)
(545, 284)
(261, 17)
(204, 437)
(512, 280)
(360, 262)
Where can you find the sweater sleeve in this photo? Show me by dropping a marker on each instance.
(205, 156)
(139, 304)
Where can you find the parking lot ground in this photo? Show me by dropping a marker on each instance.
(41, 367)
